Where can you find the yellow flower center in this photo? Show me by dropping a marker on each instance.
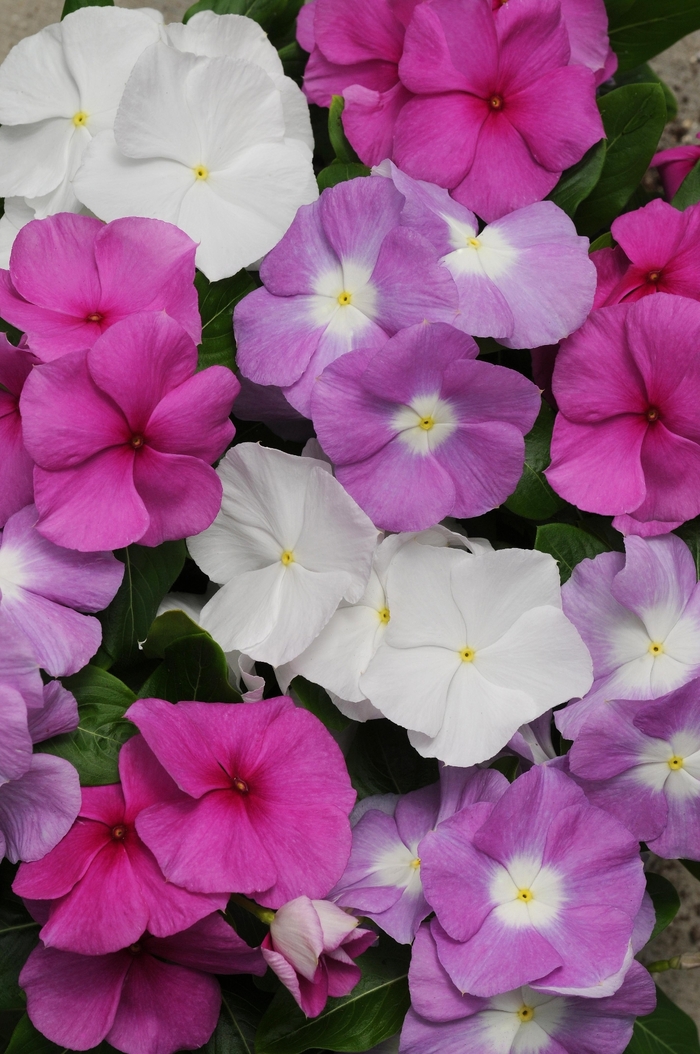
(384, 615)
(675, 763)
(415, 864)
(80, 119)
(656, 648)
(426, 423)
(526, 895)
(201, 172)
(474, 242)
(344, 299)
(526, 1013)
(287, 557)
(467, 654)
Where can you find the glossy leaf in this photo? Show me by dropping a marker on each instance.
(644, 74)
(568, 545)
(372, 1012)
(312, 697)
(634, 117)
(193, 668)
(382, 761)
(665, 899)
(93, 748)
(242, 1007)
(668, 1030)
(578, 181)
(644, 28)
(74, 5)
(339, 172)
(166, 629)
(605, 241)
(18, 935)
(339, 141)
(689, 191)
(533, 497)
(216, 303)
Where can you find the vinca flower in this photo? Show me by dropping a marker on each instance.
(16, 466)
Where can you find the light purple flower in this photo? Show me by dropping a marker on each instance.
(344, 276)
(525, 279)
(639, 615)
(555, 886)
(642, 764)
(40, 586)
(442, 1020)
(382, 879)
(421, 429)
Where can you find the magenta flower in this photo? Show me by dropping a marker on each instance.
(627, 437)
(311, 946)
(554, 888)
(123, 437)
(265, 798)
(497, 132)
(642, 765)
(154, 997)
(103, 872)
(434, 432)
(443, 1020)
(72, 277)
(675, 164)
(656, 252)
(16, 466)
(344, 276)
(40, 586)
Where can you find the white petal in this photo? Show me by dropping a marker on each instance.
(341, 653)
(35, 83)
(423, 609)
(411, 686)
(34, 159)
(243, 613)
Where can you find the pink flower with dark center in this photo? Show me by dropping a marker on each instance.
(154, 997)
(675, 164)
(124, 435)
(16, 466)
(102, 871)
(72, 277)
(265, 798)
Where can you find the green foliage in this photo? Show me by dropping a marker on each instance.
(533, 497)
(689, 191)
(382, 761)
(242, 1007)
(277, 17)
(668, 1030)
(93, 748)
(312, 697)
(693, 866)
(148, 576)
(690, 533)
(339, 172)
(568, 545)
(336, 132)
(579, 181)
(18, 935)
(634, 117)
(194, 668)
(372, 1012)
(665, 899)
(74, 5)
(28, 1040)
(216, 303)
(640, 29)
(605, 241)
(644, 74)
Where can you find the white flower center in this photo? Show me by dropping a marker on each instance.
(425, 423)
(527, 893)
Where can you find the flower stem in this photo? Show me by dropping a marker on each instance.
(264, 914)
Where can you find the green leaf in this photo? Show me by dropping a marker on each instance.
(148, 576)
(28, 1040)
(277, 17)
(644, 74)
(634, 117)
(167, 628)
(312, 697)
(19, 933)
(93, 748)
(216, 303)
(568, 545)
(665, 899)
(643, 28)
(74, 5)
(533, 497)
(340, 172)
(382, 761)
(668, 1030)
(605, 241)
(693, 866)
(194, 668)
(372, 1012)
(690, 533)
(339, 141)
(578, 181)
(240, 1016)
(689, 191)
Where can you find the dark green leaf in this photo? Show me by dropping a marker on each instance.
(690, 533)
(277, 17)
(382, 761)
(605, 241)
(18, 935)
(242, 1007)
(689, 191)
(28, 1040)
(293, 60)
(665, 900)
(577, 182)
(167, 628)
(339, 141)
(533, 497)
(634, 118)
(74, 5)
(644, 74)
(148, 576)
(312, 697)
(373, 1011)
(667, 1031)
(216, 303)
(193, 668)
(568, 545)
(339, 172)
(95, 744)
(693, 866)
(644, 28)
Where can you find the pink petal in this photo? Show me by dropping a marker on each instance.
(211, 945)
(193, 418)
(144, 781)
(357, 215)
(598, 467)
(58, 715)
(367, 30)
(295, 264)
(56, 874)
(324, 79)
(611, 265)
(369, 119)
(411, 286)
(671, 466)
(169, 908)
(63, 640)
(16, 744)
(37, 810)
(436, 138)
(16, 466)
(53, 264)
(439, 53)
(276, 336)
(532, 41)
(650, 236)
(104, 804)
(182, 494)
(15, 363)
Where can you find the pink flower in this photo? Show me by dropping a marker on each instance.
(498, 113)
(16, 466)
(658, 251)
(433, 432)
(123, 437)
(675, 164)
(626, 440)
(71, 278)
(265, 802)
(311, 946)
(104, 886)
(154, 997)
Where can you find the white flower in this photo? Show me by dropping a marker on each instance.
(201, 143)
(341, 653)
(58, 89)
(288, 545)
(476, 647)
